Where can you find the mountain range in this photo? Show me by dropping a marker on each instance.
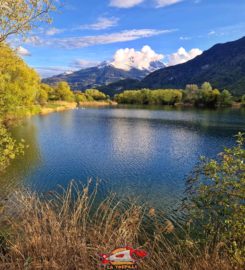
(223, 66)
(101, 75)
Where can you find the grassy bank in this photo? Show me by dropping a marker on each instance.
(57, 106)
(63, 233)
(97, 103)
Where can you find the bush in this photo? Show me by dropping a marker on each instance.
(216, 196)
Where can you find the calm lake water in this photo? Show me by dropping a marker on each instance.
(140, 152)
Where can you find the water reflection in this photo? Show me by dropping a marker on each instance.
(131, 138)
(21, 167)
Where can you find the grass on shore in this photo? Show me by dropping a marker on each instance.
(57, 106)
(101, 103)
(70, 230)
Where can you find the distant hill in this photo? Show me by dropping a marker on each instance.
(223, 66)
(101, 75)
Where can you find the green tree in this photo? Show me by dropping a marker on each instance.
(208, 97)
(151, 97)
(193, 88)
(225, 98)
(205, 96)
(206, 86)
(19, 17)
(216, 196)
(216, 93)
(190, 93)
(80, 97)
(43, 94)
(19, 84)
(42, 97)
(96, 94)
(63, 92)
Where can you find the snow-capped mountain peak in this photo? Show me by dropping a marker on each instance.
(130, 64)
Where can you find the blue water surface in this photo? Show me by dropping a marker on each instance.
(141, 152)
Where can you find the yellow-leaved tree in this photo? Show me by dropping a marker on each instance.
(19, 84)
(17, 17)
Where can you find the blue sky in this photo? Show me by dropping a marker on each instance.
(84, 33)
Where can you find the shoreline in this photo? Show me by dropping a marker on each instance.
(235, 105)
(59, 106)
(97, 104)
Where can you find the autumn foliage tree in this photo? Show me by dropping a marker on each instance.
(17, 17)
(19, 84)
(96, 94)
(62, 91)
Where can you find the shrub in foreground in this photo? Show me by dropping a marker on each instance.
(215, 201)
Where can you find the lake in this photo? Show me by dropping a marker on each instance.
(141, 152)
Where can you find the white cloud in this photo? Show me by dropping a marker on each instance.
(81, 63)
(53, 31)
(22, 51)
(164, 3)
(130, 58)
(182, 56)
(101, 24)
(211, 33)
(125, 3)
(133, 3)
(87, 41)
(185, 38)
(35, 40)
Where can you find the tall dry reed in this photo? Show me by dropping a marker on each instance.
(68, 230)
